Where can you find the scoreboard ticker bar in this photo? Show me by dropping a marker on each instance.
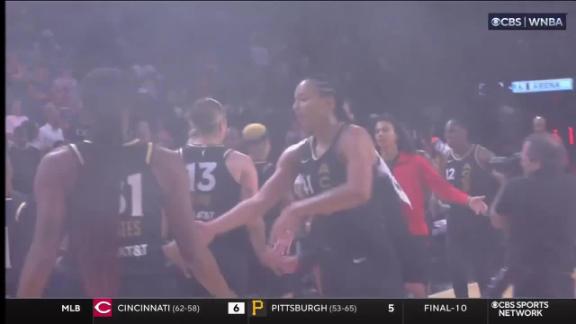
(300, 311)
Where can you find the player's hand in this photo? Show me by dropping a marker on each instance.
(266, 258)
(279, 263)
(287, 224)
(172, 253)
(478, 205)
(287, 265)
(271, 260)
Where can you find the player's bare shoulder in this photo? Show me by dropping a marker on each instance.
(162, 156)
(239, 163)
(60, 166)
(293, 153)
(166, 164)
(355, 137)
(238, 158)
(63, 159)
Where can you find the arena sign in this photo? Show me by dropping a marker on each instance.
(566, 84)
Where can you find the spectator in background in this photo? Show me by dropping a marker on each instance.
(46, 48)
(15, 70)
(16, 76)
(33, 134)
(15, 118)
(65, 90)
(538, 212)
(51, 133)
(539, 125)
(38, 93)
(24, 157)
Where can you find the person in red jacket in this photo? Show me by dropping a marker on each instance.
(417, 177)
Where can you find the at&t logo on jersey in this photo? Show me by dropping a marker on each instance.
(102, 307)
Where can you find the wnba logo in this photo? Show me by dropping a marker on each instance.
(102, 308)
(531, 21)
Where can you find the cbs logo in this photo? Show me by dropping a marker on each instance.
(506, 22)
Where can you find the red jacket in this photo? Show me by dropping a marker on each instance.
(417, 177)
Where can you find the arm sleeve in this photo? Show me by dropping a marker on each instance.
(438, 185)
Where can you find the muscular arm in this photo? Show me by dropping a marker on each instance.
(357, 151)
(272, 191)
(53, 181)
(171, 174)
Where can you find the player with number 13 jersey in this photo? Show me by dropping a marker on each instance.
(219, 179)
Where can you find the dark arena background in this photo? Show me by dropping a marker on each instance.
(229, 86)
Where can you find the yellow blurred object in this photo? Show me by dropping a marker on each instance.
(253, 132)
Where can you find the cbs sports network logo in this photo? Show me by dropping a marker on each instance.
(527, 21)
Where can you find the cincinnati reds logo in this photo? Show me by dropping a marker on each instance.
(102, 308)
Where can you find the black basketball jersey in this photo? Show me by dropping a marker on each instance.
(213, 189)
(360, 231)
(468, 175)
(140, 208)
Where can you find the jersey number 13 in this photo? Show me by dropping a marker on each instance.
(207, 181)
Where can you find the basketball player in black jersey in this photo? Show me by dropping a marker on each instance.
(219, 179)
(106, 197)
(349, 195)
(471, 240)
